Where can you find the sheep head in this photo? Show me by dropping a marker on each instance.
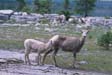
(84, 32)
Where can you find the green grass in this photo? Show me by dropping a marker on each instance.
(13, 37)
(96, 61)
(11, 44)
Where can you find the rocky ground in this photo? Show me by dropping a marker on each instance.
(20, 69)
(11, 63)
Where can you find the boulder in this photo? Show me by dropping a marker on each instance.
(4, 17)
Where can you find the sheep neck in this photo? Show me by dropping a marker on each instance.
(82, 40)
(48, 45)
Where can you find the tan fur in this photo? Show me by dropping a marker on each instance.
(66, 43)
(38, 46)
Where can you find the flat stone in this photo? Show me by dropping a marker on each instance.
(3, 61)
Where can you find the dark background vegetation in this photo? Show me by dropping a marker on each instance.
(102, 7)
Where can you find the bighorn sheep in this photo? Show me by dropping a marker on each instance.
(70, 44)
(77, 20)
(40, 47)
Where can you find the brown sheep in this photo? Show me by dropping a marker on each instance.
(70, 44)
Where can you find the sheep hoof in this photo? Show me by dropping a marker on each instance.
(56, 65)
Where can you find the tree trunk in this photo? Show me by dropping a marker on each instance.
(86, 14)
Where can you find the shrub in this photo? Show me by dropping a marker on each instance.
(26, 9)
(90, 36)
(105, 40)
(107, 17)
(66, 13)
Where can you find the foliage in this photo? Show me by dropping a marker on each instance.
(66, 4)
(27, 9)
(66, 10)
(66, 13)
(83, 7)
(105, 40)
(90, 36)
(43, 6)
(107, 17)
(22, 4)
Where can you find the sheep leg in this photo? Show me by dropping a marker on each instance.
(37, 58)
(45, 55)
(40, 60)
(74, 61)
(27, 52)
(54, 58)
(25, 58)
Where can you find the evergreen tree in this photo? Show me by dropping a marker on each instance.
(21, 4)
(36, 5)
(49, 5)
(83, 7)
(27, 9)
(43, 6)
(66, 10)
(66, 4)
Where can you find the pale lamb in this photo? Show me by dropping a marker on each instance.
(40, 47)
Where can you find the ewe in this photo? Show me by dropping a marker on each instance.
(70, 44)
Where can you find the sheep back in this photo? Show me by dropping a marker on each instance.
(71, 44)
(34, 44)
(57, 40)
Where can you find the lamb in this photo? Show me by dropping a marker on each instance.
(70, 44)
(40, 47)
